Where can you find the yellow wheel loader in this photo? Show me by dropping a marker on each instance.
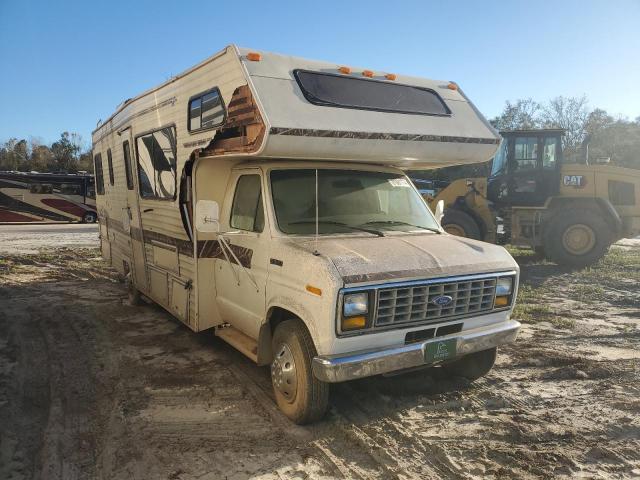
(570, 213)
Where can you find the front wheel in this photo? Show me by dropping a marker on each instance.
(89, 217)
(299, 394)
(472, 366)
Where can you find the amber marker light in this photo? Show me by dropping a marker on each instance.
(314, 290)
(502, 301)
(254, 56)
(390, 76)
(353, 323)
(345, 70)
(452, 86)
(367, 73)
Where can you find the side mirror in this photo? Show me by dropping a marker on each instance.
(207, 216)
(439, 213)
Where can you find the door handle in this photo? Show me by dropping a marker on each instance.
(147, 210)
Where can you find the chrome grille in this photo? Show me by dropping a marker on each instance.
(414, 303)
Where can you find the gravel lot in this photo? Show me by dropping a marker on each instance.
(93, 388)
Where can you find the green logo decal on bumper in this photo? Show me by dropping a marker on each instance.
(442, 350)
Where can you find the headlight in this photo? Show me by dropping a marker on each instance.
(355, 304)
(504, 286)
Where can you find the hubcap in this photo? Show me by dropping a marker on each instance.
(579, 239)
(454, 229)
(283, 373)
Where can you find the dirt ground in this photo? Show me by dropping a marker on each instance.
(93, 388)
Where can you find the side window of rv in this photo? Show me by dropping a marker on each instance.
(99, 174)
(247, 212)
(91, 189)
(110, 165)
(41, 188)
(68, 188)
(157, 164)
(206, 111)
(127, 164)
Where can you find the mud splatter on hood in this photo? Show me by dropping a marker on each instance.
(395, 258)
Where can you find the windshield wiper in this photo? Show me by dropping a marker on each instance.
(331, 222)
(398, 222)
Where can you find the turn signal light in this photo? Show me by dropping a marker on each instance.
(314, 290)
(367, 73)
(254, 56)
(502, 301)
(452, 86)
(390, 76)
(345, 70)
(353, 323)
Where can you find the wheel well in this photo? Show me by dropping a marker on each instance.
(275, 316)
(600, 205)
(461, 204)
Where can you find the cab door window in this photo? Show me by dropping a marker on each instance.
(247, 212)
(549, 153)
(525, 153)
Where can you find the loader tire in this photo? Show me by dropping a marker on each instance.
(472, 366)
(577, 237)
(457, 222)
(299, 394)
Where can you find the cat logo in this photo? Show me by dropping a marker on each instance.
(577, 181)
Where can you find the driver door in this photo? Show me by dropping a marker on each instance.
(241, 288)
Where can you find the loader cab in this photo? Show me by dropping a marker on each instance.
(526, 169)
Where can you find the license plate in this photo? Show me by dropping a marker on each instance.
(442, 350)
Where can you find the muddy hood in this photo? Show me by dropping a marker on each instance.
(397, 258)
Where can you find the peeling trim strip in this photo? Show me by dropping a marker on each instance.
(206, 248)
(407, 137)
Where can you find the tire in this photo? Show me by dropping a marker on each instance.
(576, 237)
(133, 293)
(457, 222)
(89, 217)
(300, 396)
(472, 366)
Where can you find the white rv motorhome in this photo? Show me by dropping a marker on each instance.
(264, 196)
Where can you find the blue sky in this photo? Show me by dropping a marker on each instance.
(66, 64)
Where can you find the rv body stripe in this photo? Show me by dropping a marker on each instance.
(406, 137)
(206, 248)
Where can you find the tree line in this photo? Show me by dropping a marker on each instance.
(68, 154)
(610, 137)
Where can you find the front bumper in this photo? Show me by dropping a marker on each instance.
(340, 368)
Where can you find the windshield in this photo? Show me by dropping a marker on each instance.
(348, 201)
(500, 160)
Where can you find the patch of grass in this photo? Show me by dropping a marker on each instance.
(590, 293)
(520, 252)
(531, 307)
(619, 270)
(55, 263)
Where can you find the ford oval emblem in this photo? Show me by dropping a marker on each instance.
(442, 300)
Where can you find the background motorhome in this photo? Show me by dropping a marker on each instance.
(36, 197)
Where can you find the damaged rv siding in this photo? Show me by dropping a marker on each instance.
(169, 264)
